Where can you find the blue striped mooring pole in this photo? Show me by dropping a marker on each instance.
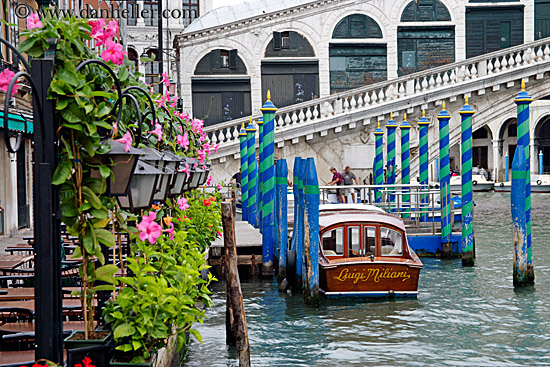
(506, 167)
(244, 174)
(311, 239)
(540, 163)
(405, 128)
(300, 260)
(423, 125)
(252, 175)
(391, 126)
(261, 179)
(467, 199)
(521, 276)
(379, 162)
(445, 181)
(296, 226)
(523, 101)
(282, 213)
(268, 176)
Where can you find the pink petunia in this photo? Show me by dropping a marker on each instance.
(112, 29)
(182, 203)
(5, 79)
(126, 140)
(170, 231)
(183, 141)
(33, 21)
(114, 53)
(157, 131)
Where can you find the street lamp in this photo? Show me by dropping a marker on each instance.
(142, 188)
(121, 163)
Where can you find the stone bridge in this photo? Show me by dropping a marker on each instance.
(337, 130)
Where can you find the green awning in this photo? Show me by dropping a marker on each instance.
(17, 123)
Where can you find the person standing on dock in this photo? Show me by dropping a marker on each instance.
(338, 180)
(348, 177)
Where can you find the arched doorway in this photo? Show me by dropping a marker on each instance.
(481, 148)
(289, 69)
(426, 46)
(220, 87)
(542, 144)
(508, 136)
(356, 56)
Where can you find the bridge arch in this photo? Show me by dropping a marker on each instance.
(542, 143)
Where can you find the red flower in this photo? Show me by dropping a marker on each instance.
(213, 198)
(206, 202)
(87, 361)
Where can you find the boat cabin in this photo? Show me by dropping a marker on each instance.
(355, 234)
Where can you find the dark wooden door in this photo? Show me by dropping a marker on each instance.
(480, 157)
(21, 189)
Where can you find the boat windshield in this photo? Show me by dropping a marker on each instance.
(392, 242)
(333, 242)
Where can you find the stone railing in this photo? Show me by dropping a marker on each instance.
(406, 87)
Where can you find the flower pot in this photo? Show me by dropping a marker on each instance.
(116, 363)
(100, 351)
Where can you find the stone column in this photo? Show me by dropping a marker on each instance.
(497, 150)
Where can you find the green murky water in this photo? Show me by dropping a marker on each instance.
(462, 317)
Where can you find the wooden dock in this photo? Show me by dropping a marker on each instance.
(249, 248)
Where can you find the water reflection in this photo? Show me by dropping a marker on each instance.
(462, 317)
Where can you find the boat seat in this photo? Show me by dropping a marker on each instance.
(386, 250)
(330, 253)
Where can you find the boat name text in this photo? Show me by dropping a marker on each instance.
(375, 274)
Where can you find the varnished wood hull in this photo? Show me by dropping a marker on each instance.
(369, 279)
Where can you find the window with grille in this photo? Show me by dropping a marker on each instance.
(224, 54)
(152, 12)
(285, 40)
(131, 6)
(190, 11)
(152, 71)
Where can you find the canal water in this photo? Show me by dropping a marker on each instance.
(462, 317)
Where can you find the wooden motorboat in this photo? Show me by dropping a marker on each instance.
(365, 253)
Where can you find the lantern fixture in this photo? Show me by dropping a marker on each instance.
(142, 188)
(121, 163)
(181, 178)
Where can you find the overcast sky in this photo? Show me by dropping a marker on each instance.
(218, 3)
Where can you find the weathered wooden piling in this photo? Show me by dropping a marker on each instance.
(244, 173)
(423, 124)
(236, 329)
(282, 211)
(296, 226)
(252, 175)
(467, 200)
(311, 234)
(379, 161)
(523, 274)
(445, 183)
(523, 101)
(391, 127)
(268, 174)
(405, 128)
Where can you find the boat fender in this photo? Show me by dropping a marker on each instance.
(539, 182)
(502, 184)
(474, 182)
(291, 267)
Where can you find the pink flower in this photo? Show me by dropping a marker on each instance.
(96, 25)
(219, 187)
(219, 233)
(33, 21)
(157, 131)
(186, 116)
(209, 181)
(182, 203)
(112, 28)
(170, 231)
(149, 229)
(197, 125)
(114, 53)
(183, 141)
(165, 80)
(126, 140)
(5, 79)
(215, 148)
(186, 170)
